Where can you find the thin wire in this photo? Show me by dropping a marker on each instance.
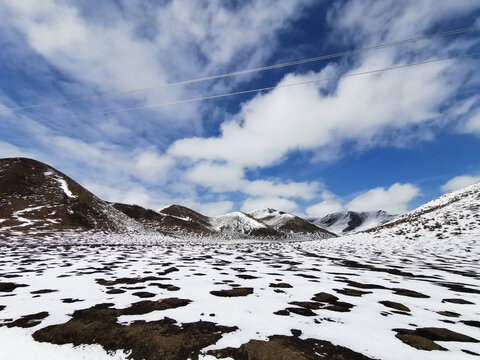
(249, 71)
(272, 87)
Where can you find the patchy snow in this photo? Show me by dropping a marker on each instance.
(426, 265)
(421, 261)
(236, 222)
(349, 222)
(271, 217)
(449, 215)
(64, 186)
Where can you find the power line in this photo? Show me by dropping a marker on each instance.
(242, 92)
(253, 70)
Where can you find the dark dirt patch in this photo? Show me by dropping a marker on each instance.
(115, 291)
(300, 311)
(395, 305)
(280, 285)
(9, 286)
(144, 294)
(2, 307)
(339, 306)
(153, 340)
(352, 292)
(470, 352)
(168, 271)
(460, 288)
(312, 305)
(448, 313)
(473, 323)
(410, 293)
(324, 297)
(71, 301)
(146, 306)
(43, 291)
(28, 321)
(127, 281)
(288, 348)
(246, 276)
(458, 301)
(307, 276)
(419, 342)
(437, 334)
(239, 291)
(282, 312)
(296, 332)
(161, 286)
(365, 286)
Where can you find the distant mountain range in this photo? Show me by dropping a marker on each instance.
(36, 199)
(346, 222)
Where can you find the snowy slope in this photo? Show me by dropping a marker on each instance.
(344, 222)
(288, 223)
(240, 224)
(449, 215)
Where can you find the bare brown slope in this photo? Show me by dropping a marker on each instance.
(166, 223)
(32, 199)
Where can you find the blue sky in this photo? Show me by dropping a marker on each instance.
(391, 140)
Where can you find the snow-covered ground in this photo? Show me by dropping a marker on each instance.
(422, 274)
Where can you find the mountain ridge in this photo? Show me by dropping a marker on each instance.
(38, 199)
(348, 222)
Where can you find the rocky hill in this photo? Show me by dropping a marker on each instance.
(39, 199)
(451, 214)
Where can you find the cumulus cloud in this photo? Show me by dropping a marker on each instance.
(8, 150)
(472, 125)
(324, 208)
(230, 177)
(213, 208)
(151, 166)
(394, 200)
(277, 203)
(459, 182)
(143, 45)
(218, 177)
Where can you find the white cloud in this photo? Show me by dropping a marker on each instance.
(8, 150)
(459, 182)
(187, 39)
(127, 194)
(394, 200)
(472, 125)
(382, 21)
(230, 177)
(277, 203)
(214, 208)
(219, 177)
(151, 166)
(324, 208)
(267, 188)
(301, 118)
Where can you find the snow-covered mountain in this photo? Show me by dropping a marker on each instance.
(241, 224)
(36, 199)
(288, 223)
(345, 222)
(449, 215)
